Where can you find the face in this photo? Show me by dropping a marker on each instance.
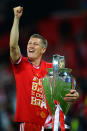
(35, 49)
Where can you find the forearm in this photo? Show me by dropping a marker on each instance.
(14, 35)
(14, 38)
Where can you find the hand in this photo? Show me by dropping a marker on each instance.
(18, 11)
(72, 96)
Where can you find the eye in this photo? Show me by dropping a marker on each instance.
(36, 44)
(29, 43)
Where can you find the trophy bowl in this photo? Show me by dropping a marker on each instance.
(56, 89)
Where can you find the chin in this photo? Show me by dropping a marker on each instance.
(31, 57)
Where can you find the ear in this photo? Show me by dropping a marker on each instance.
(43, 50)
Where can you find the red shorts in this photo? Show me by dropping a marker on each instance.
(27, 126)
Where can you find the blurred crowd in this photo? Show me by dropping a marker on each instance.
(66, 35)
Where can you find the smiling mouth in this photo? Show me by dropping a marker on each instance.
(31, 51)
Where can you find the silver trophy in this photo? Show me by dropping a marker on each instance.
(57, 83)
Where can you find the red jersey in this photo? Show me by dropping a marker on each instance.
(31, 102)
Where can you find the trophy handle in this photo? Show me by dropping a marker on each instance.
(55, 67)
(73, 83)
(58, 63)
(55, 64)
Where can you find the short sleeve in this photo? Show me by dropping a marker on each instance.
(18, 61)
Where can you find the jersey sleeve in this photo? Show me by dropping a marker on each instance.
(18, 66)
(18, 61)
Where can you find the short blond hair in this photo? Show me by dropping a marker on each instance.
(44, 41)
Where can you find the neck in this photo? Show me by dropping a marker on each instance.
(35, 62)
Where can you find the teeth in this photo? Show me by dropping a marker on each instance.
(31, 50)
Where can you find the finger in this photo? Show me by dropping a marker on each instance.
(71, 95)
(77, 95)
(72, 91)
(18, 8)
(19, 11)
(22, 8)
(69, 99)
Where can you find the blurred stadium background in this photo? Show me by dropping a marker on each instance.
(64, 24)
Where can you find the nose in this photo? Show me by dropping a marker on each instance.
(31, 45)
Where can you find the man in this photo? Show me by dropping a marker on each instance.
(31, 108)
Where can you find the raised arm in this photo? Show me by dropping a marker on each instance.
(14, 35)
